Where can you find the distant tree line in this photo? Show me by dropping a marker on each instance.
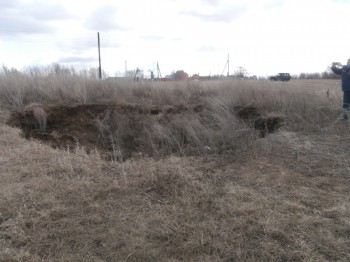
(328, 74)
(54, 69)
(323, 75)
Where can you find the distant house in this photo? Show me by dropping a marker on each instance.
(178, 75)
(168, 78)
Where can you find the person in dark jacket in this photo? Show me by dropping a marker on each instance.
(344, 71)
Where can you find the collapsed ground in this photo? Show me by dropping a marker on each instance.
(244, 188)
(283, 198)
(125, 130)
(181, 173)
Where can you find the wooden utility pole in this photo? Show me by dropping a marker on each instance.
(99, 57)
(228, 65)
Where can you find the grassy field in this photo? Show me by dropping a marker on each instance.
(199, 184)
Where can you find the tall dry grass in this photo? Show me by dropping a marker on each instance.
(306, 103)
(269, 205)
(285, 198)
(309, 106)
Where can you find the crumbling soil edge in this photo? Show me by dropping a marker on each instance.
(90, 126)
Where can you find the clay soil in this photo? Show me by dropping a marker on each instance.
(98, 126)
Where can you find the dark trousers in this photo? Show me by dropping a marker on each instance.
(346, 100)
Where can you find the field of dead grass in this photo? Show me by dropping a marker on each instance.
(282, 197)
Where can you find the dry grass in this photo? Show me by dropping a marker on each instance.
(307, 106)
(284, 202)
(285, 197)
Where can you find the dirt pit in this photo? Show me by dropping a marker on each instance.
(121, 131)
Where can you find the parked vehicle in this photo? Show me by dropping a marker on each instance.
(281, 77)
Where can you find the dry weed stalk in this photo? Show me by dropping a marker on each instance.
(39, 114)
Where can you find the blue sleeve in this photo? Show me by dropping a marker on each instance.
(336, 70)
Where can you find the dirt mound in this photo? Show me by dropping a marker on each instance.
(120, 130)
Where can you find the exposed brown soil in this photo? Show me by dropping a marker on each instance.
(282, 197)
(286, 200)
(109, 127)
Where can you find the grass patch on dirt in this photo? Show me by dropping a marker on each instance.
(279, 197)
(280, 202)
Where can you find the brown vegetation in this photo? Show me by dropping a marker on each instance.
(121, 130)
(281, 197)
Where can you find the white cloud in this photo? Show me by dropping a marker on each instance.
(341, 1)
(211, 2)
(46, 11)
(104, 18)
(8, 4)
(268, 4)
(13, 23)
(208, 48)
(264, 36)
(152, 37)
(225, 14)
(76, 59)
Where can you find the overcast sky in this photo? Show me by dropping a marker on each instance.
(263, 36)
